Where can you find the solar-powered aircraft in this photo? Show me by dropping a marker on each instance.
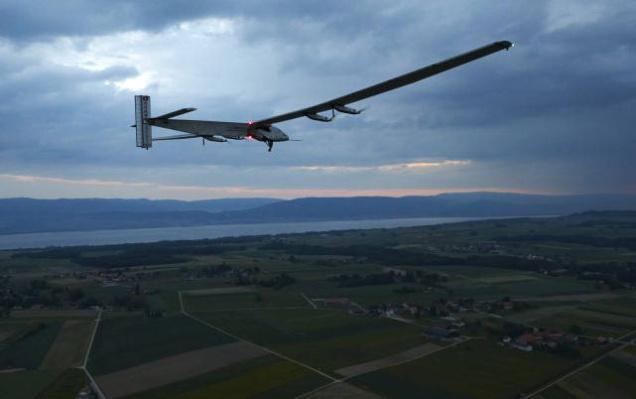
(264, 130)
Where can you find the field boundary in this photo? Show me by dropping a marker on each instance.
(176, 368)
(83, 367)
(220, 291)
(229, 334)
(345, 379)
(68, 350)
(309, 301)
(255, 308)
(584, 366)
(390, 361)
(341, 389)
(571, 297)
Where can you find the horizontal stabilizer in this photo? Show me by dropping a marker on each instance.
(174, 113)
(176, 137)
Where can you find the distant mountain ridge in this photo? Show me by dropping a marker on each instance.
(25, 215)
(443, 205)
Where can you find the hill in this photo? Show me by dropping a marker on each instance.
(443, 205)
(24, 215)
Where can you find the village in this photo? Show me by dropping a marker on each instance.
(453, 320)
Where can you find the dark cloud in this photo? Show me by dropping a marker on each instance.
(32, 19)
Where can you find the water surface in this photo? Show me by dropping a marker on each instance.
(106, 237)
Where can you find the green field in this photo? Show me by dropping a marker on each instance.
(65, 386)
(265, 377)
(592, 323)
(259, 298)
(609, 378)
(475, 369)
(70, 345)
(25, 384)
(30, 345)
(624, 306)
(325, 339)
(571, 275)
(124, 342)
(536, 287)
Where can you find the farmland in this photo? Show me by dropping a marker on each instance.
(505, 374)
(123, 342)
(325, 339)
(509, 307)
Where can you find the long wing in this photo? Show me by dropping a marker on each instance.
(391, 84)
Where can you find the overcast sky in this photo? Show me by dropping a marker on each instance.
(556, 114)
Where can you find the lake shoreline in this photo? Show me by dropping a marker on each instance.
(155, 234)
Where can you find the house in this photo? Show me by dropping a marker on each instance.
(525, 348)
(458, 325)
(528, 339)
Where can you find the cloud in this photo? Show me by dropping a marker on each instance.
(22, 185)
(400, 167)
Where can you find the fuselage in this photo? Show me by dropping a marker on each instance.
(272, 134)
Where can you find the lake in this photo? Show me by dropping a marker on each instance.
(106, 237)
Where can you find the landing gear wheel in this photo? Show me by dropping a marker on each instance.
(270, 144)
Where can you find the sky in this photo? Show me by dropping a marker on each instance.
(554, 115)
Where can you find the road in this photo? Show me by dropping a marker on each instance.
(94, 385)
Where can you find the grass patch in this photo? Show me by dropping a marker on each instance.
(592, 323)
(128, 341)
(325, 339)
(265, 377)
(25, 384)
(8, 330)
(609, 378)
(625, 306)
(262, 298)
(70, 345)
(506, 279)
(67, 385)
(486, 370)
(27, 349)
(556, 392)
(538, 287)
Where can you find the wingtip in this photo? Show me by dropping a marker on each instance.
(507, 44)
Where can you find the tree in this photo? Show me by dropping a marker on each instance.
(75, 294)
(575, 329)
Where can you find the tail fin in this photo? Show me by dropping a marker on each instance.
(142, 114)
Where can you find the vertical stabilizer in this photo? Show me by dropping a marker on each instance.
(142, 113)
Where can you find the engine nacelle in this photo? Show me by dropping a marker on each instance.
(347, 110)
(215, 139)
(319, 118)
